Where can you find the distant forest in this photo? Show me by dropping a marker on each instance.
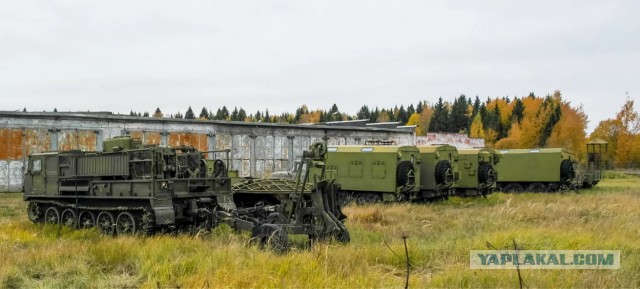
(519, 122)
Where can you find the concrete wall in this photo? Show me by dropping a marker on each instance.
(257, 149)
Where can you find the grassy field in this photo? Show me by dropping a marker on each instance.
(440, 237)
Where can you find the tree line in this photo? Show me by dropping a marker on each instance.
(520, 122)
(622, 133)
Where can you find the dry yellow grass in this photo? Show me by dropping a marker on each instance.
(440, 237)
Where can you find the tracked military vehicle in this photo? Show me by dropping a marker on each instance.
(535, 170)
(129, 188)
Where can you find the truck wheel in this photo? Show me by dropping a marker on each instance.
(276, 218)
(444, 173)
(272, 236)
(402, 174)
(486, 174)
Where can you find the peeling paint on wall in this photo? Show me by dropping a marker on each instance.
(196, 140)
(152, 138)
(257, 149)
(147, 137)
(36, 141)
(84, 140)
(10, 144)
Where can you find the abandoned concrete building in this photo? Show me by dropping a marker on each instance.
(257, 149)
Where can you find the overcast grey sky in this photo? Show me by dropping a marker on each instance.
(138, 55)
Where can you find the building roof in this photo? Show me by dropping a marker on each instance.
(107, 116)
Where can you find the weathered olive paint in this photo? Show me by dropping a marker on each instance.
(531, 165)
(468, 165)
(129, 176)
(372, 168)
(430, 157)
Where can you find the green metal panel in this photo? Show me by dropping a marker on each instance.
(468, 165)
(116, 164)
(531, 165)
(371, 168)
(430, 156)
(51, 174)
(378, 170)
(120, 143)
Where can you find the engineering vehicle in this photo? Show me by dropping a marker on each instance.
(129, 188)
(476, 170)
(535, 170)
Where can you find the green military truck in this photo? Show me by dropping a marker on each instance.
(375, 173)
(535, 170)
(437, 171)
(477, 173)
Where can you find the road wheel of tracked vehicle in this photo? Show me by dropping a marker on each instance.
(34, 213)
(444, 173)
(513, 188)
(87, 219)
(106, 223)
(486, 174)
(126, 224)
(405, 168)
(567, 172)
(52, 215)
(69, 218)
(272, 236)
(537, 188)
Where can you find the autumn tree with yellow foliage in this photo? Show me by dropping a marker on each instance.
(540, 122)
(623, 135)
